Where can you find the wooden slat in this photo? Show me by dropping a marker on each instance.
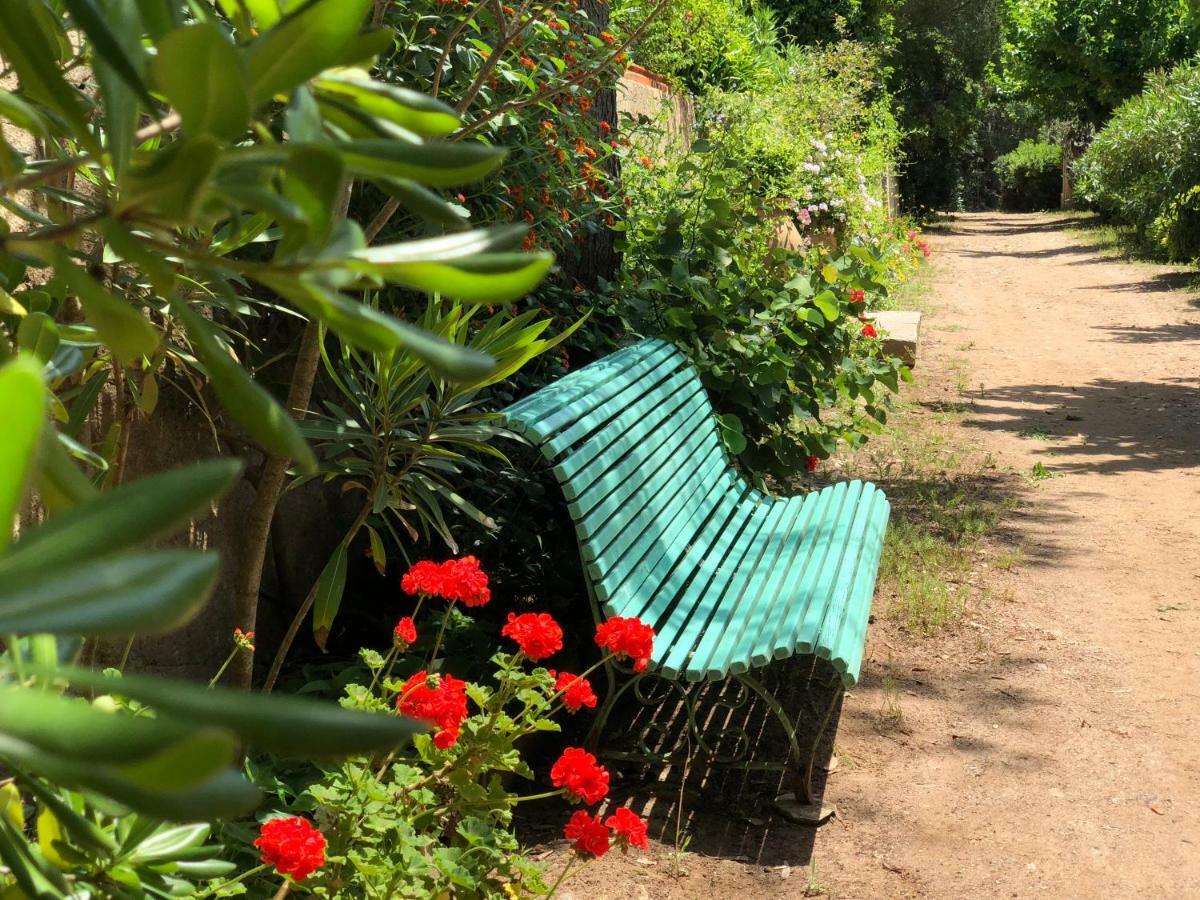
(724, 649)
(641, 570)
(648, 451)
(656, 501)
(576, 470)
(719, 637)
(578, 384)
(598, 391)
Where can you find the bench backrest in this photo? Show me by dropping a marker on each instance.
(634, 443)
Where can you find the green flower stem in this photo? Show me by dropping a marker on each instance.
(562, 876)
(238, 880)
(557, 703)
(224, 666)
(437, 645)
(548, 794)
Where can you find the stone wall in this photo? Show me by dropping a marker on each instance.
(642, 93)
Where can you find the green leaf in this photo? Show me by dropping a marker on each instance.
(22, 413)
(436, 164)
(830, 273)
(159, 16)
(11, 808)
(732, 433)
(38, 335)
(25, 47)
(225, 796)
(170, 843)
(329, 589)
(190, 761)
(826, 302)
(313, 182)
(147, 592)
(286, 725)
(424, 203)
(82, 831)
(486, 278)
(122, 101)
(246, 400)
(302, 45)
(34, 877)
(174, 181)
(378, 553)
(121, 519)
(73, 728)
(200, 72)
(409, 109)
(372, 330)
(126, 331)
(109, 47)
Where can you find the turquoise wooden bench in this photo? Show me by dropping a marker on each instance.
(730, 578)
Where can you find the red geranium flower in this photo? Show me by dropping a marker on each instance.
(455, 579)
(537, 634)
(858, 296)
(869, 331)
(404, 634)
(629, 828)
(438, 699)
(292, 845)
(627, 638)
(424, 577)
(587, 834)
(813, 462)
(577, 692)
(583, 778)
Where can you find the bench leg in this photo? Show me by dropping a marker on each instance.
(803, 789)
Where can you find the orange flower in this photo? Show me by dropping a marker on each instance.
(527, 62)
(645, 161)
(607, 37)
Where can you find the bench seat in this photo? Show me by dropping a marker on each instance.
(730, 578)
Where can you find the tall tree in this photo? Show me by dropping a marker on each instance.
(1079, 59)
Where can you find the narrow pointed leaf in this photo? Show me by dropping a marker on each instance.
(436, 164)
(200, 72)
(289, 726)
(22, 414)
(409, 109)
(302, 45)
(142, 593)
(121, 519)
(330, 587)
(108, 46)
(124, 329)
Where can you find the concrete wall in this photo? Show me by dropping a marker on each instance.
(642, 93)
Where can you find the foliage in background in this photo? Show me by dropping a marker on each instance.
(774, 331)
(1031, 176)
(1143, 168)
(701, 44)
(1079, 59)
(828, 21)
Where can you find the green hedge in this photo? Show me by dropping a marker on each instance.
(1143, 168)
(1031, 176)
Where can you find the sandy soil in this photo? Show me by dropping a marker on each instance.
(1049, 746)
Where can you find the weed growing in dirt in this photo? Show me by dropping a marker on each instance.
(814, 888)
(1039, 472)
(891, 716)
(1009, 559)
(1036, 434)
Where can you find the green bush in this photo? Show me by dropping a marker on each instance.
(1031, 176)
(699, 44)
(1142, 168)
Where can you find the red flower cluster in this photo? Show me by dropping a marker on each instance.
(627, 638)
(858, 296)
(577, 692)
(925, 249)
(587, 834)
(292, 845)
(537, 634)
(438, 699)
(583, 778)
(869, 331)
(590, 836)
(629, 828)
(244, 640)
(813, 462)
(454, 579)
(404, 634)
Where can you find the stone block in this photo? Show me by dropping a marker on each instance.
(900, 331)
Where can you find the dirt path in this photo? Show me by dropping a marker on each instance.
(1049, 746)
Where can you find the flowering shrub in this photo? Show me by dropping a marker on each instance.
(438, 820)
